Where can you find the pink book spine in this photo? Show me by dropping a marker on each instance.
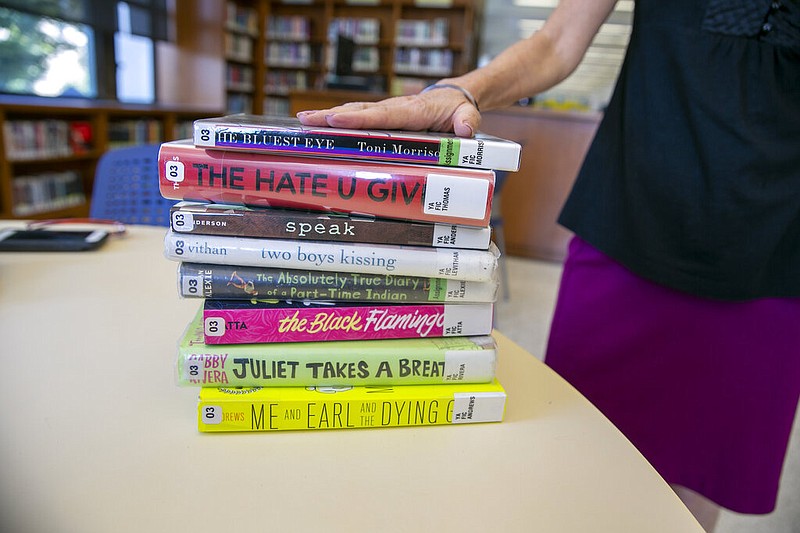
(244, 326)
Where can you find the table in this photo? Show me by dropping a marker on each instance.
(97, 437)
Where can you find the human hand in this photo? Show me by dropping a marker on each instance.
(444, 109)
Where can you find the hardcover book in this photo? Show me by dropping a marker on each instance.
(286, 135)
(221, 219)
(359, 362)
(387, 190)
(452, 263)
(242, 322)
(293, 408)
(206, 280)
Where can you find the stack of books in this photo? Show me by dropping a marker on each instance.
(347, 277)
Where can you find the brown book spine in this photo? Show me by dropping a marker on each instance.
(212, 219)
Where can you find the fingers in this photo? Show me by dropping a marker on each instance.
(318, 117)
(466, 120)
(434, 110)
(393, 113)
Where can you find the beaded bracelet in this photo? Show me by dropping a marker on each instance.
(466, 93)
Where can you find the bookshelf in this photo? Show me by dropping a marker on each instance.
(267, 50)
(241, 39)
(49, 148)
(400, 46)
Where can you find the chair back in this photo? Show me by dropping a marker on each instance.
(126, 187)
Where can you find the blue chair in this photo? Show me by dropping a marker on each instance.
(126, 187)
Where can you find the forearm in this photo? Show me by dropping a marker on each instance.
(541, 61)
(524, 69)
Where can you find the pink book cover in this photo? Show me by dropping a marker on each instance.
(245, 322)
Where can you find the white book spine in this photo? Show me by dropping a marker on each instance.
(451, 263)
(256, 133)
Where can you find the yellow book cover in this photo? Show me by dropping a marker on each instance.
(294, 408)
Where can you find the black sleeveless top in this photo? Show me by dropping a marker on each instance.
(693, 178)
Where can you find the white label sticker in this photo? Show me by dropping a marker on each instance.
(455, 236)
(469, 366)
(192, 286)
(478, 407)
(467, 319)
(447, 263)
(455, 196)
(192, 371)
(214, 326)
(212, 414)
(183, 222)
(174, 171)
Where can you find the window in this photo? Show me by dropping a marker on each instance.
(135, 58)
(45, 56)
(590, 86)
(83, 48)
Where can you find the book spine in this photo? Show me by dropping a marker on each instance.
(215, 366)
(448, 151)
(405, 192)
(302, 225)
(332, 408)
(451, 263)
(320, 323)
(320, 143)
(206, 280)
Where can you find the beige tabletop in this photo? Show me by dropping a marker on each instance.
(95, 436)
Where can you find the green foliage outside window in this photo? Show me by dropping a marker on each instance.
(44, 56)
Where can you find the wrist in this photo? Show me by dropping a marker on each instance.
(447, 85)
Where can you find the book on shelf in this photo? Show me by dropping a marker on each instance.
(206, 280)
(46, 191)
(315, 408)
(286, 135)
(243, 221)
(243, 322)
(29, 140)
(451, 263)
(135, 131)
(357, 362)
(241, 19)
(388, 190)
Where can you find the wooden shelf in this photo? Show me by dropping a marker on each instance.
(308, 23)
(107, 122)
(199, 56)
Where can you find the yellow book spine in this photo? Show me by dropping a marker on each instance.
(304, 408)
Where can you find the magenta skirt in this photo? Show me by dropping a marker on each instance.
(706, 390)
